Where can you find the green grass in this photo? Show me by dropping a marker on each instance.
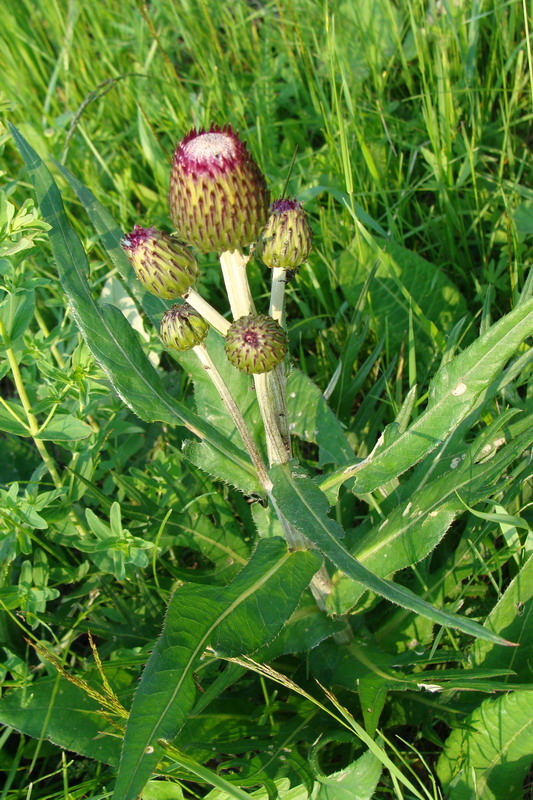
(410, 123)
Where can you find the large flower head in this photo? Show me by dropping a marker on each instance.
(218, 197)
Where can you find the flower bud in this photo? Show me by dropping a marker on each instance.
(287, 238)
(164, 265)
(218, 196)
(182, 327)
(255, 344)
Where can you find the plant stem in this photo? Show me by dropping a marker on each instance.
(210, 314)
(228, 400)
(278, 449)
(277, 378)
(240, 298)
(234, 271)
(270, 389)
(277, 295)
(33, 425)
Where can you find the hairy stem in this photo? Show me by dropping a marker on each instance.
(234, 271)
(228, 400)
(210, 314)
(278, 449)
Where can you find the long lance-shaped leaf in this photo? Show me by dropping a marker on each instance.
(306, 507)
(110, 236)
(413, 528)
(453, 393)
(235, 619)
(209, 460)
(112, 341)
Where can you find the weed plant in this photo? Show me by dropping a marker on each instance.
(157, 635)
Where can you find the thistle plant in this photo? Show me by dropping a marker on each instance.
(219, 203)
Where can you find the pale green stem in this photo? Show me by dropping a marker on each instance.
(233, 265)
(277, 377)
(60, 361)
(228, 400)
(271, 399)
(278, 450)
(277, 295)
(206, 310)
(33, 425)
(240, 298)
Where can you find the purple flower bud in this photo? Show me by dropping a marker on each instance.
(218, 196)
(255, 344)
(287, 238)
(164, 265)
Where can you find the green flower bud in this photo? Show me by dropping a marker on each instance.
(164, 265)
(218, 196)
(287, 238)
(255, 344)
(182, 328)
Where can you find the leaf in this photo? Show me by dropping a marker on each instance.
(307, 627)
(357, 781)
(490, 756)
(162, 790)
(112, 341)
(109, 234)
(305, 506)
(411, 530)
(235, 619)
(511, 616)
(114, 293)
(373, 689)
(283, 789)
(65, 428)
(55, 709)
(13, 423)
(220, 466)
(453, 393)
(61, 428)
(16, 313)
(311, 419)
(404, 282)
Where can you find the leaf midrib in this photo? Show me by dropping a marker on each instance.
(202, 643)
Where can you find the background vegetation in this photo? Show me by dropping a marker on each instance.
(411, 122)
